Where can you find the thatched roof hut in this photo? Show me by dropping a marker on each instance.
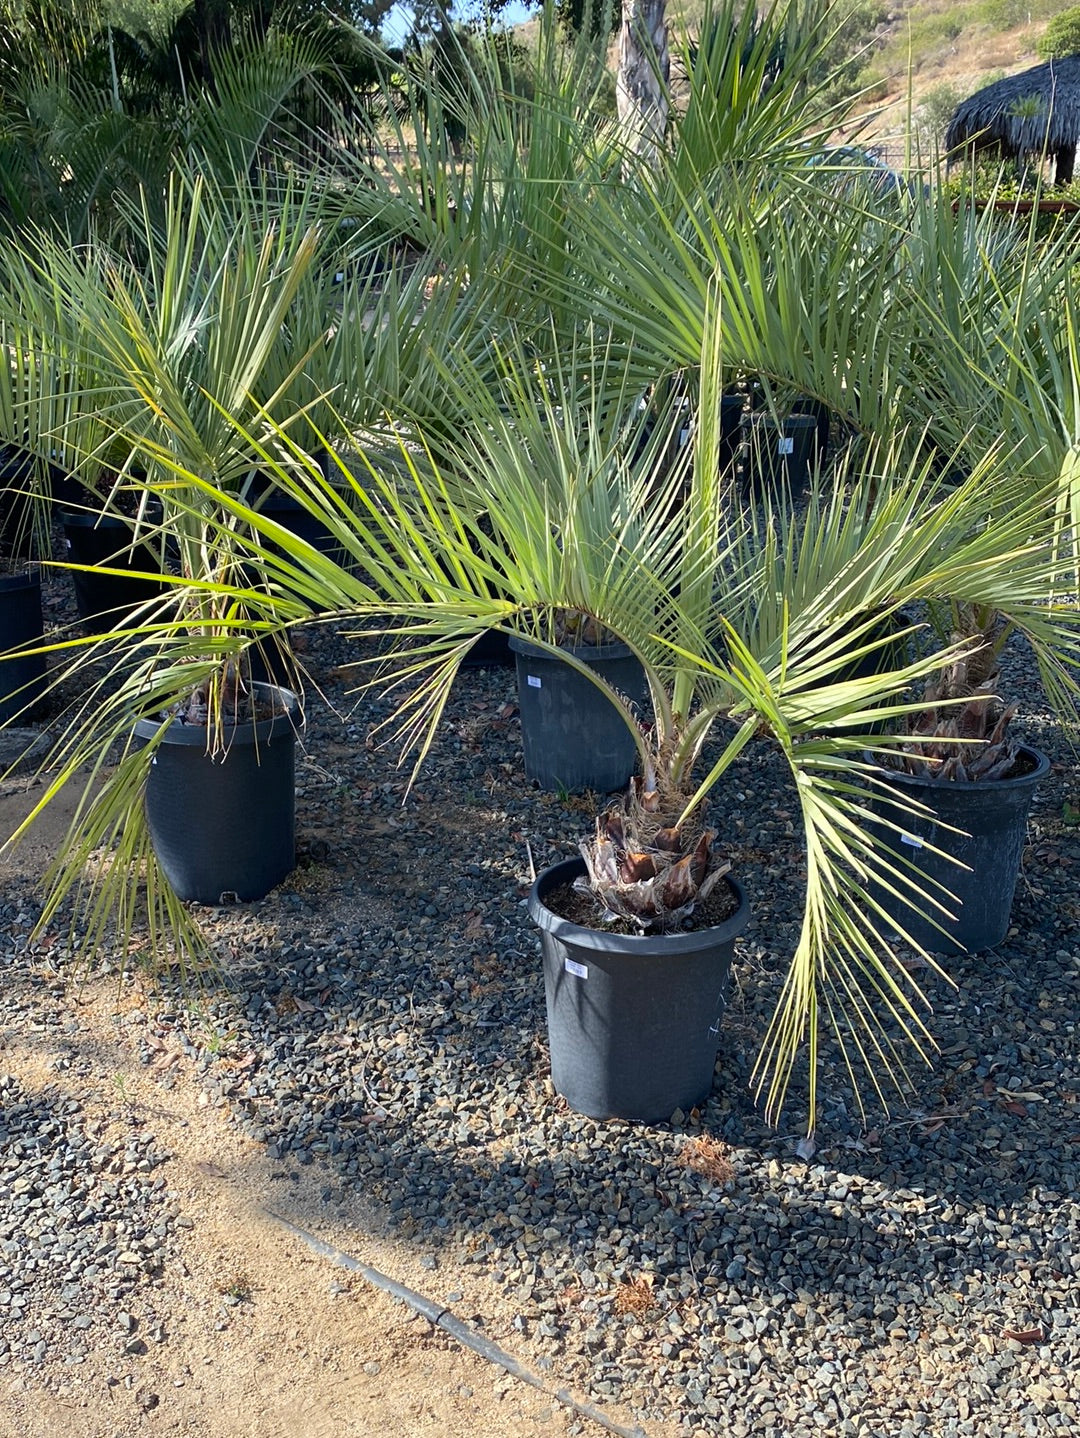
(1024, 117)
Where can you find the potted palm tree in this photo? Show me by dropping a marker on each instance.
(746, 631)
(955, 793)
(196, 363)
(163, 376)
(744, 628)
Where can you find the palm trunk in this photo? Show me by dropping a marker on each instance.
(641, 83)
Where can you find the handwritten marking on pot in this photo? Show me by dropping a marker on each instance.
(439, 1316)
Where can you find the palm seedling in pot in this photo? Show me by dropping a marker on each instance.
(215, 359)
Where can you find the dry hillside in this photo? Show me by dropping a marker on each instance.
(923, 57)
(930, 54)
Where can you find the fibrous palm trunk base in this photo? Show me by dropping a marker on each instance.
(645, 866)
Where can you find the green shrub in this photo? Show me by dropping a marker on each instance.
(1062, 36)
(929, 31)
(936, 110)
(1005, 14)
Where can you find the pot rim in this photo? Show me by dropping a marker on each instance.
(28, 578)
(603, 940)
(177, 732)
(927, 781)
(590, 653)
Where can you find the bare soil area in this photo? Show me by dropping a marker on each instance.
(249, 1332)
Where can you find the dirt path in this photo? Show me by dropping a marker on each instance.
(247, 1332)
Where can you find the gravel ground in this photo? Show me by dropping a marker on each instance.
(914, 1273)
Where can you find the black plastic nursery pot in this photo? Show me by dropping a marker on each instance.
(261, 493)
(822, 418)
(732, 407)
(633, 1019)
(573, 737)
(490, 651)
(992, 816)
(23, 676)
(106, 601)
(223, 828)
(779, 456)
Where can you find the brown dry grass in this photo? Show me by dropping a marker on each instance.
(634, 1296)
(711, 1158)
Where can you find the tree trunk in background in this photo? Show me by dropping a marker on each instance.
(641, 82)
(213, 34)
(262, 14)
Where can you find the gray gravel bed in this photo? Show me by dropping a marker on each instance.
(916, 1273)
(85, 1221)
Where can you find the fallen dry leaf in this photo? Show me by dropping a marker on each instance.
(1023, 1335)
(475, 928)
(1018, 1109)
(209, 1168)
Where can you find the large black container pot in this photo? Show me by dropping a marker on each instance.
(993, 818)
(574, 738)
(23, 676)
(779, 456)
(732, 408)
(822, 421)
(106, 601)
(262, 494)
(633, 1019)
(490, 651)
(223, 828)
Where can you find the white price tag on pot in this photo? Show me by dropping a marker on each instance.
(785, 445)
(912, 840)
(533, 681)
(580, 971)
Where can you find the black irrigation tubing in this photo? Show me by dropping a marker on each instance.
(439, 1316)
